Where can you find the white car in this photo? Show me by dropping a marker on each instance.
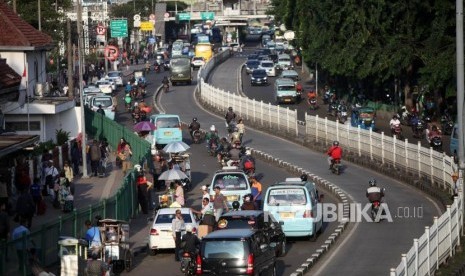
(197, 62)
(116, 77)
(107, 104)
(90, 91)
(268, 66)
(161, 235)
(105, 86)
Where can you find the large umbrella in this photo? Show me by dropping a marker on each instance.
(144, 126)
(175, 147)
(173, 174)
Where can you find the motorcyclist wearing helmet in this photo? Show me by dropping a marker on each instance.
(247, 162)
(235, 137)
(211, 136)
(235, 154)
(374, 193)
(194, 126)
(230, 116)
(393, 123)
(166, 81)
(334, 153)
(236, 205)
(190, 242)
(248, 204)
(223, 148)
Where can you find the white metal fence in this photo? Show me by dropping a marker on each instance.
(439, 240)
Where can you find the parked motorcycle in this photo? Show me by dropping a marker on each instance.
(188, 264)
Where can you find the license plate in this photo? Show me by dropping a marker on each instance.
(167, 133)
(286, 215)
(232, 198)
(287, 100)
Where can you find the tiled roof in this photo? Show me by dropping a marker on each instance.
(14, 31)
(8, 76)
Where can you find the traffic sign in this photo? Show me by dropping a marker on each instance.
(146, 26)
(136, 17)
(119, 28)
(184, 16)
(207, 15)
(152, 16)
(166, 15)
(101, 29)
(111, 53)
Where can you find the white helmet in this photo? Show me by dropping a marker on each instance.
(136, 104)
(138, 167)
(212, 128)
(248, 152)
(189, 228)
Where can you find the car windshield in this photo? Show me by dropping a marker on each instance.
(230, 249)
(105, 102)
(168, 218)
(286, 87)
(267, 64)
(172, 122)
(180, 62)
(198, 58)
(259, 73)
(294, 77)
(113, 74)
(283, 197)
(285, 60)
(230, 181)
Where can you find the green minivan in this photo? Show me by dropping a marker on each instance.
(181, 70)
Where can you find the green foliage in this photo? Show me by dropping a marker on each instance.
(375, 40)
(49, 145)
(61, 136)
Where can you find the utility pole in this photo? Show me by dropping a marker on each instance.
(39, 15)
(70, 56)
(460, 98)
(83, 118)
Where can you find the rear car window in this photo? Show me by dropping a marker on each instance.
(230, 181)
(267, 64)
(180, 62)
(230, 249)
(286, 87)
(237, 223)
(167, 122)
(168, 218)
(287, 197)
(105, 102)
(113, 74)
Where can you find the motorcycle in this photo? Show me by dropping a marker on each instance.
(213, 145)
(436, 143)
(342, 114)
(336, 166)
(447, 125)
(327, 97)
(231, 126)
(405, 117)
(166, 88)
(196, 136)
(156, 68)
(374, 210)
(397, 132)
(143, 116)
(128, 102)
(332, 109)
(188, 264)
(136, 117)
(418, 127)
(313, 104)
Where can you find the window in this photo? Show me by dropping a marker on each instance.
(168, 218)
(230, 249)
(172, 122)
(287, 197)
(286, 87)
(180, 62)
(231, 181)
(22, 126)
(105, 102)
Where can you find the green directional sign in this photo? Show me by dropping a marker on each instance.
(119, 28)
(207, 15)
(184, 16)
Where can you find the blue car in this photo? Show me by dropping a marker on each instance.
(168, 129)
(363, 117)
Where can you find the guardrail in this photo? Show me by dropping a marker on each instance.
(439, 240)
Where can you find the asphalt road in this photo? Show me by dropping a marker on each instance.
(370, 248)
(266, 94)
(203, 168)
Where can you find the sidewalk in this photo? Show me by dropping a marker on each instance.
(87, 191)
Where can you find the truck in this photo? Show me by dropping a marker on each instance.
(181, 70)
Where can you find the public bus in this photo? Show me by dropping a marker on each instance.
(204, 50)
(177, 48)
